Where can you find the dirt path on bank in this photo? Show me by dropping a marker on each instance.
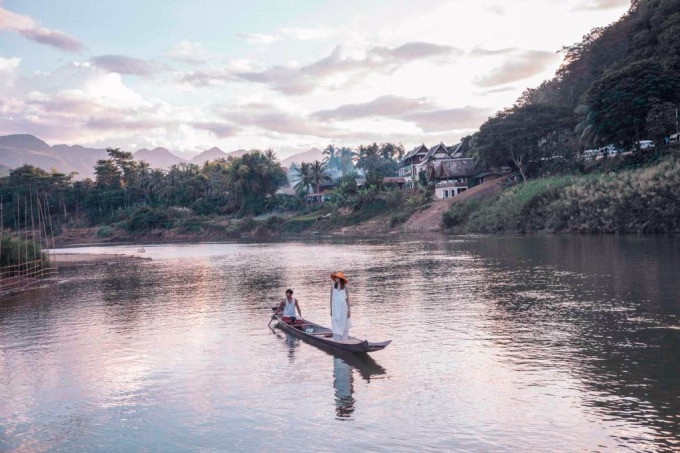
(430, 219)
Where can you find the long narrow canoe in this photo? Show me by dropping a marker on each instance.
(323, 336)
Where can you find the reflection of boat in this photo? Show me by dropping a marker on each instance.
(363, 363)
(323, 336)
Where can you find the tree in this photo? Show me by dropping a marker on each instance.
(332, 157)
(252, 178)
(303, 173)
(521, 135)
(661, 119)
(369, 158)
(318, 173)
(346, 157)
(620, 100)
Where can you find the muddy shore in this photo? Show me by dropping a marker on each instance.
(68, 260)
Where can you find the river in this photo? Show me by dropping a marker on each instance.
(568, 343)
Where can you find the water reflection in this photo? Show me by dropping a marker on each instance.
(515, 344)
(344, 365)
(290, 342)
(343, 381)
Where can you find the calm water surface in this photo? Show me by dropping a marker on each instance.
(499, 344)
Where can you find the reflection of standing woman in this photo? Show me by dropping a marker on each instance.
(340, 312)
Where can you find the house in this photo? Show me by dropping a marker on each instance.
(444, 166)
(412, 162)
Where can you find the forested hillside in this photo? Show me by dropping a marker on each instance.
(619, 85)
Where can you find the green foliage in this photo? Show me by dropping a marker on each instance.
(620, 101)
(634, 201)
(619, 85)
(459, 213)
(104, 232)
(398, 218)
(145, 219)
(17, 251)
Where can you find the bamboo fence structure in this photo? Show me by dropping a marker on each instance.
(30, 244)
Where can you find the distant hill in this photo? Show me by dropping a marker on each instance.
(23, 141)
(209, 155)
(19, 149)
(158, 157)
(308, 156)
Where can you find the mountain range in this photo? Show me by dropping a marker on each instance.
(19, 149)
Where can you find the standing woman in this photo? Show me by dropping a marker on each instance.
(340, 311)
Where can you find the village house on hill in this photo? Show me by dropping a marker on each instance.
(444, 166)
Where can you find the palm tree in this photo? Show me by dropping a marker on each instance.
(369, 158)
(270, 154)
(303, 173)
(318, 171)
(332, 157)
(346, 157)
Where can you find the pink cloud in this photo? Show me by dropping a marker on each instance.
(29, 29)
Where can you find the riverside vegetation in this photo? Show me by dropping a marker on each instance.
(619, 85)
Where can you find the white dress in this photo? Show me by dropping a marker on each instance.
(340, 323)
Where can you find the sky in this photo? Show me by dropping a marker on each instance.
(287, 75)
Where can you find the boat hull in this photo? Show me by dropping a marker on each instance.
(322, 336)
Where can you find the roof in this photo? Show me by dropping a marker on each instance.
(436, 149)
(285, 191)
(451, 168)
(417, 150)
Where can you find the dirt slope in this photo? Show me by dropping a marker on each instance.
(430, 219)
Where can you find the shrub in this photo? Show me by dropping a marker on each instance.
(15, 251)
(104, 232)
(146, 219)
(458, 213)
(398, 218)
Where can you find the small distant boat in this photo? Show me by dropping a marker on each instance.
(141, 250)
(323, 336)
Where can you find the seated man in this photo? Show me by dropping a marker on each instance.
(288, 305)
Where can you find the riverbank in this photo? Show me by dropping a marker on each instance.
(638, 201)
(612, 196)
(69, 260)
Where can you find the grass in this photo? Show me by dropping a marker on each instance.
(642, 200)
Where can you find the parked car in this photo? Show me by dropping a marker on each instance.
(609, 149)
(646, 144)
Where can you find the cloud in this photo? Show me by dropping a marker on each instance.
(480, 52)
(467, 117)
(520, 65)
(270, 119)
(220, 129)
(412, 51)
(334, 72)
(301, 34)
(189, 52)
(8, 72)
(127, 65)
(590, 5)
(422, 112)
(29, 29)
(258, 38)
(304, 34)
(384, 106)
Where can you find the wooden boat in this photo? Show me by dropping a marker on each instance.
(323, 336)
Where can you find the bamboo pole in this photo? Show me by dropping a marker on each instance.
(51, 231)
